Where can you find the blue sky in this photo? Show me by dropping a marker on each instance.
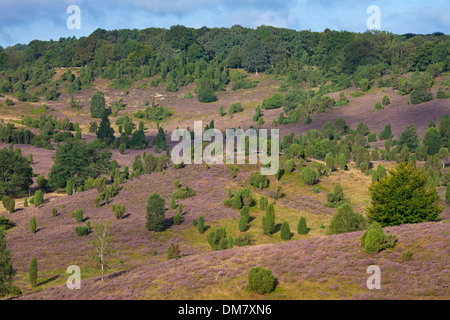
(24, 20)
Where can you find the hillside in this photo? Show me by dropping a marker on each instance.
(115, 104)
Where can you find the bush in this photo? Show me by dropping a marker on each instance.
(258, 180)
(243, 240)
(374, 240)
(54, 212)
(81, 230)
(206, 94)
(336, 199)
(346, 220)
(177, 219)
(243, 220)
(309, 176)
(301, 226)
(273, 102)
(217, 239)
(78, 215)
(420, 94)
(289, 165)
(268, 221)
(378, 106)
(8, 204)
(201, 224)
(261, 280)
(122, 148)
(33, 272)
(33, 225)
(155, 212)
(173, 251)
(183, 193)
(5, 223)
(38, 198)
(406, 255)
(285, 231)
(118, 210)
(235, 108)
(372, 137)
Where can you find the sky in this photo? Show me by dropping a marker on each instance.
(24, 20)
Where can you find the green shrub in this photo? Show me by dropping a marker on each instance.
(375, 240)
(243, 224)
(301, 226)
(372, 137)
(183, 193)
(336, 199)
(33, 225)
(261, 280)
(268, 221)
(118, 210)
(201, 224)
(82, 230)
(78, 215)
(5, 223)
(289, 165)
(406, 255)
(173, 251)
(8, 204)
(346, 220)
(263, 202)
(217, 239)
(378, 106)
(243, 240)
(172, 203)
(69, 187)
(309, 176)
(155, 211)
(33, 272)
(54, 212)
(38, 198)
(258, 180)
(206, 94)
(285, 231)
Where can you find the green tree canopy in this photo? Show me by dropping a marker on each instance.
(15, 173)
(403, 197)
(79, 160)
(97, 105)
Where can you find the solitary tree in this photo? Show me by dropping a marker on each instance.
(101, 246)
(33, 272)
(403, 197)
(33, 225)
(285, 231)
(301, 226)
(268, 220)
(155, 212)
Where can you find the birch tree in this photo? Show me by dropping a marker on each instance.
(101, 246)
